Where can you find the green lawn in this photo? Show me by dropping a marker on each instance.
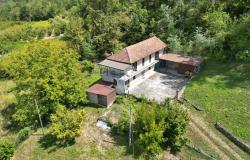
(223, 90)
(90, 145)
(7, 24)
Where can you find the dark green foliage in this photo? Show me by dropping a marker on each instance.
(121, 128)
(98, 28)
(149, 129)
(87, 66)
(177, 121)
(7, 149)
(156, 127)
(120, 99)
(22, 135)
(239, 39)
(33, 10)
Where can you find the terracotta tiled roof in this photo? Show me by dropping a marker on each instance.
(138, 51)
(181, 59)
(101, 88)
(121, 56)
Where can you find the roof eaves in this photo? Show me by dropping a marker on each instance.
(128, 55)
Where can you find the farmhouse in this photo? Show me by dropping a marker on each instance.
(134, 64)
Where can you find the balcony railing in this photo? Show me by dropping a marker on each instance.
(113, 74)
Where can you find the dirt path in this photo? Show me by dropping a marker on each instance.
(199, 126)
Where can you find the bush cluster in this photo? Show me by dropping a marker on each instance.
(66, 125)
(7, 149)
(155, 127)
(14, 36)
(23, 134)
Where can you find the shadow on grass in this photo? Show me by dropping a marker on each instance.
(7, 113)
(50, 143)
(225, 75)
(122, 140)
(92, 105)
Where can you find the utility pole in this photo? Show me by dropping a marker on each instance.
(130, 126)
(131, 136)
(41, 123)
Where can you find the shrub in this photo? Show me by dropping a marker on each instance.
(6, 150)
(88, 66)
(66, 125)
(175, 43)
(23, 135)
(243, 56)
(156, 127)
(119, 99)
(121, 128)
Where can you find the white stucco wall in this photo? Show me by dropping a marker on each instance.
(161, 52)
(120, 87)
(140, 77)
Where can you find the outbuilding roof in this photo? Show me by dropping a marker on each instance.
(181, 59)
(139, 50)
(114, 64)
(101, 88)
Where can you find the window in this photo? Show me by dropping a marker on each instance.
(143, 73)
(127, 82)
(157, 55)
(115, 82)
(150, 58)
(143, 61)
(134, 78)
(135, 66)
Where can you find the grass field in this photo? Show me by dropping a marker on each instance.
(223, 90)
(8, 24)
(90, 145)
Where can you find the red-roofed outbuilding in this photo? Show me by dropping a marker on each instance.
(102, 93)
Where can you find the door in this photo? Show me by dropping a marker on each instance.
(157, 56)
(102, 100)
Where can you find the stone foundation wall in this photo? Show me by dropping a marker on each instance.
(233, 138)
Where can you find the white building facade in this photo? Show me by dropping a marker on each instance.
(131, 66)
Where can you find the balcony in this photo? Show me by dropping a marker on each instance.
(109, 75)
(138, 71)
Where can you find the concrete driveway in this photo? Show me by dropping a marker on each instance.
(160, 86)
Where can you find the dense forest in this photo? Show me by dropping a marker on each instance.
(217, 29)
(49, 50)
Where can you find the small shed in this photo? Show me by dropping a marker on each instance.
(102, 93)
(180, 63)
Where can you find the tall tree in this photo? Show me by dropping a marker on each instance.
(49, 73)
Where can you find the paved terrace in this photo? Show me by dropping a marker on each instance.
(160, 86)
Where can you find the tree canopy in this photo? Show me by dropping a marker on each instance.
(50, 73)
(98, 28)
(155, 126)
